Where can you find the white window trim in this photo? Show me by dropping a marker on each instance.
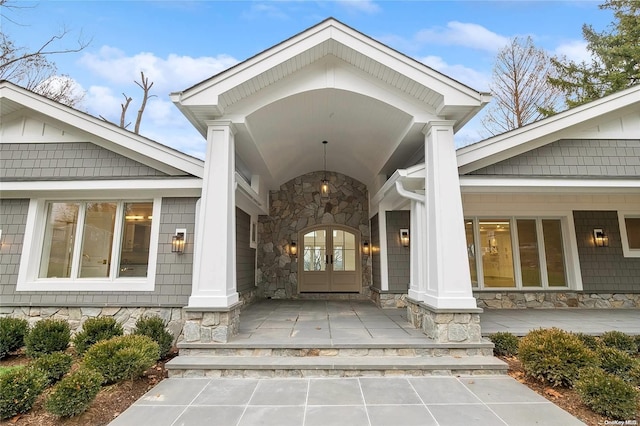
(568, 240)
(28, 279)
(626, 250)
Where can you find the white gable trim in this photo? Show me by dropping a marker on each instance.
(102, 133)
(567, 124)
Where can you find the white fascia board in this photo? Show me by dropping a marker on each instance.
(531, 136)
(114, 138)
(177, 187)
(469, 184)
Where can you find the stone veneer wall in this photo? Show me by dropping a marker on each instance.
(555, 299)
(296, 206)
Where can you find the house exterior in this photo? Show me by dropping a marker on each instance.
(96, 220)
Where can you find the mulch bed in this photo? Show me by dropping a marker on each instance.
(567, 399)
(110, 402)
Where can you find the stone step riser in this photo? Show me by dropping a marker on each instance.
(343, 352)
(303, 373)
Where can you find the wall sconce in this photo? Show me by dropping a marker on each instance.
(365, 248)
(178, 241)
(404, 237)
(293, 248)
(600, 238)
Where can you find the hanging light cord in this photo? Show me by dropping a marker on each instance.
(325, 158)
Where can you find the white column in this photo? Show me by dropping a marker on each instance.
(384, 254)
(417, 251)
(447, 270)
(214, 272)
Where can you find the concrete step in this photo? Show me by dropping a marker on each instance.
(422, 349)
(331, 366)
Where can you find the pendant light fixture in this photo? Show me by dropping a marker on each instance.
(324, 184)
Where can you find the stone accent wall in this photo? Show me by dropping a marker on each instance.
(581, 157)
(245, 255)
(389, 300)
(397, 256)
(296, 206)
(59, 161)
(374, 245)
(76, 316)
(445, 326)
(173, 272)
(555, 299)
(604, 269)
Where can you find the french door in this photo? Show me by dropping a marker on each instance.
(330, 260)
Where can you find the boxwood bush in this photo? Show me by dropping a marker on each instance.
(53, 366)
(94, 330)
(619, 340)
(122, 358)
(616, 362)
(607, 394)
(554, 356)
(506, 344)
(591, 342)
(12, 333)
(47, 336)
(154, 327)
(19, 389)
(74, 394)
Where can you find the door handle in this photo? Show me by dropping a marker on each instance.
(326, 259)
(332, 259)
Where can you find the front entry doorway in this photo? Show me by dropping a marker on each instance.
(330, 260)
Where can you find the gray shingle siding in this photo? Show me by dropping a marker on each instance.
(397, 256)
(59, 161)
(604, 269)
(173, 272)
(245, 255)
(569, 158)
(375, 254)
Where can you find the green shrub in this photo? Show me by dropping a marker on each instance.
(53, 366)
(154, 327)
(607, 394)
(74, 393)
(19, 389)
(12, 333)
(123, 357)
(506, 344)
(47, 336)
(591, 342)
(637, 340)
(634, 373)
(616, 362)
(554, 356)
(619, 340)
(94, 330)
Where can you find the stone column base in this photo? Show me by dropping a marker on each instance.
(445, 325)
(208, 325)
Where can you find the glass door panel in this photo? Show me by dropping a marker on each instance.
(344, 251)
(497, 256)
(529, 260)
(553, 250)
(471, 251)
(315, 251)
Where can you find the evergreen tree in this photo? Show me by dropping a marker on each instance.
(615, 63)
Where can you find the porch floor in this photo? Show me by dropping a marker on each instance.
(324, 323)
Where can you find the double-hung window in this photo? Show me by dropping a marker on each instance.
(522, 253)
(93, 245)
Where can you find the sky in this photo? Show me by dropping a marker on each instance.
(180, 43)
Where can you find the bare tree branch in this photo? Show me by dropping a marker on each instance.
(124, 108)
(146, 87)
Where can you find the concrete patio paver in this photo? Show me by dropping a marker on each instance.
(455, 401)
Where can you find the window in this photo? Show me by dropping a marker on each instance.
(516, 253)
(630, 233)
(91, 246)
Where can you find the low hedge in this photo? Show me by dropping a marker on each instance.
(95, 330)
(75, 393)
(505, 343)
(620, 340)
(607, 394)
(154, 327)
(122, 358)
(12, 333)
(19, 389)
(47, 336)
(554, 356)
(53, 366)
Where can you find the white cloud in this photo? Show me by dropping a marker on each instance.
(468, 76)
(366, 6)
(575, 50)
(464, 34)
(169, 74)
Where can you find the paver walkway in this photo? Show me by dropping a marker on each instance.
(402, 401)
